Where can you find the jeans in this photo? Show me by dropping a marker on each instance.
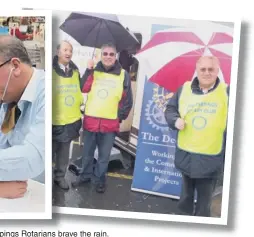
(105, 142)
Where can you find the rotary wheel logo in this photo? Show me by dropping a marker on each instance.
(69, 100)
(156, 107)
(199, 122)
(103, 94)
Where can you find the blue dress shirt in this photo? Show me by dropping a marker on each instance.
(22, 150)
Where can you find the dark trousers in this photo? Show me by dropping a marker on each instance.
(104, 142)
(204, 188)
(60, 154)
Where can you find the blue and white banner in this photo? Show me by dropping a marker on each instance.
(154, 171)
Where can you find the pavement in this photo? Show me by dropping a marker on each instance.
(118, 195)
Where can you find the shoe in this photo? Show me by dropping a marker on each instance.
(100, 188)
(62, 184)
(79, 182)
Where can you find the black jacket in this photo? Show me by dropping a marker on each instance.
(68, 132)
(194, 165)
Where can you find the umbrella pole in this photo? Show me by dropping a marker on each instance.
(93, 53)
(96, 39)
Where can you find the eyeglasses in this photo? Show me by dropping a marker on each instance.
(110, 54)
(5, 62)
(210, 70)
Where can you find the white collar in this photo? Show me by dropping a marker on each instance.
(205, 91)
(30, 90)
(63, 67)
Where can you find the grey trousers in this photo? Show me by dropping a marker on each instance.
(60, 155)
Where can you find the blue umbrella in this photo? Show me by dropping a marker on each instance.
(96, 29)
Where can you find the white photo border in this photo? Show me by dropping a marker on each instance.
(228, 156)
(47, 214)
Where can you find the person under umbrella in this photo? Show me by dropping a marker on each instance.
(109, 101)
(66, 101)
(198, 111)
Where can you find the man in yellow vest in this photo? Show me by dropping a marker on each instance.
(109, 101)
(199, 112)
(66, 101)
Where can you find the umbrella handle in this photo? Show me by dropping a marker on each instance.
(93, 52)
(100, 22)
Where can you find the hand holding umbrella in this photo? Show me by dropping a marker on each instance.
(90, 64)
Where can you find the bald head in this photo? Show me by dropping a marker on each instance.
(64, 43)
(215, 61)
(11, 47)
(64, 52)
(207, 71)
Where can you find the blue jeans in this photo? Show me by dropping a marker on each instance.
(104, 142)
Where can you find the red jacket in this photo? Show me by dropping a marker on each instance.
(94, 124)
(19, 35)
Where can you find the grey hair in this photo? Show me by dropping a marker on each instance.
(12, 47)
(108, 45)
(64, 41)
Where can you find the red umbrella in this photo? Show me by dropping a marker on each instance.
(170, 56)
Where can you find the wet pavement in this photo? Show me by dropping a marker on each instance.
(118, 195)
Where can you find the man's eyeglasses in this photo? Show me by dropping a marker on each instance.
(1, 65)
(210, 70)
(110, 54)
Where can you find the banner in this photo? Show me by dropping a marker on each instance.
(154, 171)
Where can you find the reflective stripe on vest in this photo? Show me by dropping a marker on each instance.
(66, 99)
(206, 118)
(105, 95)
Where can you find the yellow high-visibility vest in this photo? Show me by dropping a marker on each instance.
(105, 95)
(206, 119)
(66, 99)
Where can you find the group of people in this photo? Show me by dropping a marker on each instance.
(198, 111)
(15, 31)
(109, 101)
